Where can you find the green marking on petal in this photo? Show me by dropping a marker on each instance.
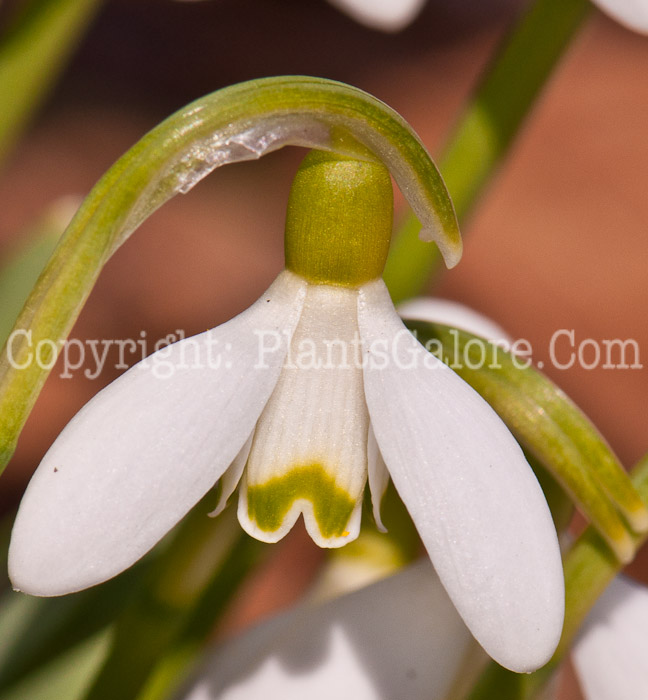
(269, 503)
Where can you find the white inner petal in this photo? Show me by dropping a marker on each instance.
(309, 453)
(230, 479)
(378, 478)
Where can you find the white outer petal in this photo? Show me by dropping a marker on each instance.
(386, 15)
(138, 456)
(398, 638)
(610, 654)
(452, 313)
(473, 498)
(631, 13)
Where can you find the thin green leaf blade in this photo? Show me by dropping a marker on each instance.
(32, 55)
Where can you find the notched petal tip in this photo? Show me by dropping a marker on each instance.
(331, 515)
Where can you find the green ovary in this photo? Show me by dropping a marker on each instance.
(269, 503)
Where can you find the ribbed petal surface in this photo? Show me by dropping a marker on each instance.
(309, 452)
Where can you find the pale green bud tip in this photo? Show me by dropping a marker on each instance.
(339, 220)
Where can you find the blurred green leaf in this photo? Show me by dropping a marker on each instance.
(20, 271)
(154, 616)
(66, 677)
(487, 128)
(32, 54)
(183, 596)
(34, 631)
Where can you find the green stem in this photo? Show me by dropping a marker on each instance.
(589, 568)
(487, 128)
(33, 54)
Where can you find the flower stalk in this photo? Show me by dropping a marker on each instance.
(241, 122)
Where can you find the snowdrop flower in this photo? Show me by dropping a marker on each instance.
(452, 313)
(394, 15)
(398, 638)
(386, 15)
(631, 13)
(315, 390)
(401, 637)
(610, 654)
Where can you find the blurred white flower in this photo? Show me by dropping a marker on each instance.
(631, 13)
(385, 15)
(401, 637)
(611, 653)
(394, 15)
(452, 313)
(398, 638)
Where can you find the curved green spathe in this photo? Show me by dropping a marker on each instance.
(241, 122)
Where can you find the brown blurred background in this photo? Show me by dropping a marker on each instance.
(559, 241)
